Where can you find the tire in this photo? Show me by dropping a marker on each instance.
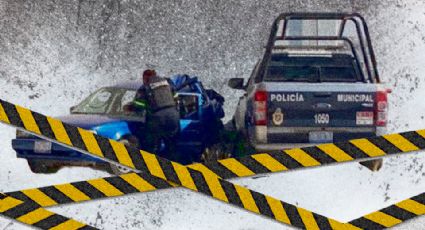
(116, 169)
(39, 166)
(130, 141)
(230, 125)
(216, 152)
(373, 165)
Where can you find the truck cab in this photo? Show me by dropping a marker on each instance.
(317, 82)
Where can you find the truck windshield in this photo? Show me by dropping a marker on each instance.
(312, 69)
(108, 100)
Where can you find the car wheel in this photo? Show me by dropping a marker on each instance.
(117, 169)
(38, 166)
(216, 152)
(230, 125)
(130, 141)
(373, 165)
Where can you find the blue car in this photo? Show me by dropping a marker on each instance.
(103, 113)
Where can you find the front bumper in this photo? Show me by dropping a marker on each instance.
(26, 148)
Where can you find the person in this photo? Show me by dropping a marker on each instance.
(155, 99)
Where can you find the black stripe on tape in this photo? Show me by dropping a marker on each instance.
(415, 138)
(43, 125)
(136, 157)
(106, 148)
(293, 215)
(200, 182)
(319, 155)
(285, 160)
(398, 213)
(220, 170)
(253, 165)
(12, 114)
(351, 150)
(20, 196)
(87, 228)
(385, 145)
(74, 136)
(21, 210)
(366, 224)
(121, 185)
(322, 222)
(51, 221)
(154, 181)
(56, 195)
(262, 204)
(88, 189)
(231, 193)
(419, 198)
(168, 170)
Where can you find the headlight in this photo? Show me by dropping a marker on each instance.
(93, 131)
(22, 134)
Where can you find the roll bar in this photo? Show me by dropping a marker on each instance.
(362, 31)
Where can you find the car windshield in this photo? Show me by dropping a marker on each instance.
(108, 100)
(311, 69)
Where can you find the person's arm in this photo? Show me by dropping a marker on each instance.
(140, 101)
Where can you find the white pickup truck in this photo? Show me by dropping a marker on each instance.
(317, 82)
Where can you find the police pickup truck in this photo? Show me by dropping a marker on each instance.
(316, 83)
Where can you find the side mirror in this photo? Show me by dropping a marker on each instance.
(72, 108)
(236, 83)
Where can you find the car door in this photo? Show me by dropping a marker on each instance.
(191, 135)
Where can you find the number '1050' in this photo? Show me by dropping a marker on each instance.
(321, 118)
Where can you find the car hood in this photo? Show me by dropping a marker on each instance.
(87, 121)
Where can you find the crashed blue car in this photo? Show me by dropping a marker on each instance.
(103, 113)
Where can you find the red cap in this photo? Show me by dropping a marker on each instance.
(147, 74)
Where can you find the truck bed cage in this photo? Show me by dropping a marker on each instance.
(361, 28)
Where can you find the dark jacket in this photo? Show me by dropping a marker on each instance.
(155, 96)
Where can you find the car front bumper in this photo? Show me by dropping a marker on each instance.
(38, 149)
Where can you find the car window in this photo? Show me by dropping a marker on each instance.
(312, 69)
(126, 99)
(108, 100)
(292, 73)
(338, 74)
(188, 106)
(96, 103)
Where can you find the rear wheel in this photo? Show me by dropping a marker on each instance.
(127, 141)
(373, 165)
(40, 166)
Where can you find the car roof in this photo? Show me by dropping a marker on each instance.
(128, 85)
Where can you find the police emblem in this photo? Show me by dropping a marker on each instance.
(278, 117)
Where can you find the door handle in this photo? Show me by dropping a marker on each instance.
(322, 106)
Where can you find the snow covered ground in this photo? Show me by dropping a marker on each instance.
(52, 54)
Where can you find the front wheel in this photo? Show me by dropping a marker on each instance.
(39, 166)
(373, 165)
(216, 152)
(117, 169)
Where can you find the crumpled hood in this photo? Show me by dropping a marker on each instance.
(87, 121)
